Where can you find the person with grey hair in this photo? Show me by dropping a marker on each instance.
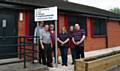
(78, 39)
(46, 47)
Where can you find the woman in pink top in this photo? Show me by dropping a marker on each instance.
(52, 35)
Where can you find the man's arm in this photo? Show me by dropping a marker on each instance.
(41, 43)
(73, 40)
(82, 39)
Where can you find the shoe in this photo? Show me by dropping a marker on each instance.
(35, 61)
(50, 65)
(40, 62)
(62, 64)
(44, 63)
(72, 63)
(66, 65)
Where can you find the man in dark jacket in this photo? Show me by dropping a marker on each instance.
(78, 39)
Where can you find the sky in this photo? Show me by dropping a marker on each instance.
(103, 4)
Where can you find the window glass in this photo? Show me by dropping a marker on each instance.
(99, 26)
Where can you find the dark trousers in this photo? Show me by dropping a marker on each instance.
(47, 54)
(79, 52)
(64, 50)
(74, 54)
(40, 54)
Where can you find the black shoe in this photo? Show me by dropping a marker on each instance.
(63, 64)
(50, 65)
(72, 63)
(44, 63)
(66, 65)
(40, 62)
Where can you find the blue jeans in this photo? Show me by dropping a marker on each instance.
(64, 50)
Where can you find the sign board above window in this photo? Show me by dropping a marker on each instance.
(46, 14)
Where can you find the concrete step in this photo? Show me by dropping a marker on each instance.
(10, 61)
(20, 67)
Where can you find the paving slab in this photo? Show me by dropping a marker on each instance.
(87, 55)
(20, 67)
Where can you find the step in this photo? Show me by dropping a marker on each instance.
(10, 61)
(20, 67)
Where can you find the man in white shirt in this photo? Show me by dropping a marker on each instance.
(38, 32)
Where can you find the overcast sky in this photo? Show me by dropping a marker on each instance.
(103, 4)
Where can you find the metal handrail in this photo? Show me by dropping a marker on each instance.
(19, 36)
(22, 42)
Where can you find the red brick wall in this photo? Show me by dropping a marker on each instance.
(93, 43)
(23, 29)
(21, 26)
(62, 22)
(113, 29)
(90, 42)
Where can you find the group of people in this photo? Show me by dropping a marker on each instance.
(73, 39)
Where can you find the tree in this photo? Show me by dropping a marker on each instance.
(115, 10)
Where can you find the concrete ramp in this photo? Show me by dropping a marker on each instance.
(20, 67)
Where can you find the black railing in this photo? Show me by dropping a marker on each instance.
(22, 42)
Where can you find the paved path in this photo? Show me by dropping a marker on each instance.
(30, 67)
(64, 68)
(87, 54)
(19, 67)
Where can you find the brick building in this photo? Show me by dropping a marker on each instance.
(102, 27)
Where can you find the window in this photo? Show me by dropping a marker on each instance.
(99, 26)
(72, 20)
(82, 22)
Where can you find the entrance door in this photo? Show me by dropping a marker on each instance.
(8, 27)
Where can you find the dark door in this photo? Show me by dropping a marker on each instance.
(8, 27)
